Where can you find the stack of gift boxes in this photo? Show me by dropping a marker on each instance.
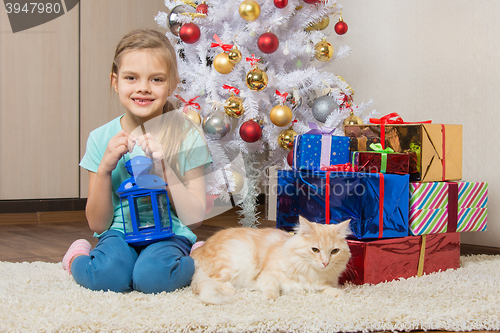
(399, 184)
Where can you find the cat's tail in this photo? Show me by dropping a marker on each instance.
(209, 290)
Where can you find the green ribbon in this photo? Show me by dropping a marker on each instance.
(377, 147)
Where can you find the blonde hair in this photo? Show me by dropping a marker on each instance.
(176, 126)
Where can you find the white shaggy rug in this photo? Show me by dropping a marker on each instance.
(41, 296)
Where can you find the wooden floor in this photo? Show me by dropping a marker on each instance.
(47, 237)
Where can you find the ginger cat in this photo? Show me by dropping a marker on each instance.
(271, 260)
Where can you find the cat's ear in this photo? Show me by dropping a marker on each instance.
(343, 228)
(304, 227)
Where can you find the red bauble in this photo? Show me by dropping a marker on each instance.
(268, 42)
(280, 3)
(202, 8)
(311, 1)
(250, 131)
(289, 158)
(341, 27)
(189, 33)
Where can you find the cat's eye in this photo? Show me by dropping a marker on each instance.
(315, 250)
(335, 251)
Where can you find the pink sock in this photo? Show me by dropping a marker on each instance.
(80, 246)
(196, 245)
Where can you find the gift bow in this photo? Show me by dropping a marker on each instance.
(189, 103)
(225, 47)
(377, 147)
(231, 88)
(315, 129)
(253, 60)
(388, 119)
(282, 96)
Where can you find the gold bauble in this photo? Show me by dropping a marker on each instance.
(352, 120)
(234, 55)
(348, 86)
(234, 106)
(281, 115)
(256, 79)
(323, 51)
(321, 25)
(222, 63)
(249, 10)
(194, 116)
(286, 139)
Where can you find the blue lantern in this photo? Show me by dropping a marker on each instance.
(144, 203)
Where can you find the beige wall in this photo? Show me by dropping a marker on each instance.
(39, 109)
(436, 60)
(103, 24)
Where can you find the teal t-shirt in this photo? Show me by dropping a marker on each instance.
(194, 153)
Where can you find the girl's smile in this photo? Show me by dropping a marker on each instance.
(142, 101)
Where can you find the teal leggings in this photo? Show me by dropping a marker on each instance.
(116, 266)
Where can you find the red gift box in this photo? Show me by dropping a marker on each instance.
(373, 162)
(390, 259)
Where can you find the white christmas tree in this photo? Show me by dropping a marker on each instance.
(259, 71)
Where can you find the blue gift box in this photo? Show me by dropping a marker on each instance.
(365, 198)
(313, 151)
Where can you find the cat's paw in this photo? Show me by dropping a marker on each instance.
(270, 294)
(227, 289)
(335, 292)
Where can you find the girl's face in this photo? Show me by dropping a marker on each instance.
(141, 84)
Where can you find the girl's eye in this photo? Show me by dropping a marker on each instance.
(129, 78)
(158, 79)
(335, 251)
(315, 250)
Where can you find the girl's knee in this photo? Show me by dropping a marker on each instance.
(109, 266)
(112, 276)
(155, 276)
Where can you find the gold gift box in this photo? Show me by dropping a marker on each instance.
(436, 148)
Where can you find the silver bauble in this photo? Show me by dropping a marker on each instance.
(310, 96)
(217, 124)
(173, 18)
(296, 102)
(323, 107)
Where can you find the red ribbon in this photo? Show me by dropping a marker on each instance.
(236, 91)
(253, 60)
(381, 206)
(327, 198)
(283, 96)
(347, 167)
(189, 103)
(338, 167)
(443, 160)
(452, 207)
(388, 119)
(225, 47)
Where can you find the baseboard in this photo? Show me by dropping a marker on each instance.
(43, 217)
(42, 205)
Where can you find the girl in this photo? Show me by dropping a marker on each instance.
(144, 74)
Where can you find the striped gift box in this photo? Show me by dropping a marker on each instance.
(440, 207)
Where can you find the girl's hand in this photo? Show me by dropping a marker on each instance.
(118, 146)
(152, 148)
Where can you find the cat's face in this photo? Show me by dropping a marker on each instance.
(323, 246)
